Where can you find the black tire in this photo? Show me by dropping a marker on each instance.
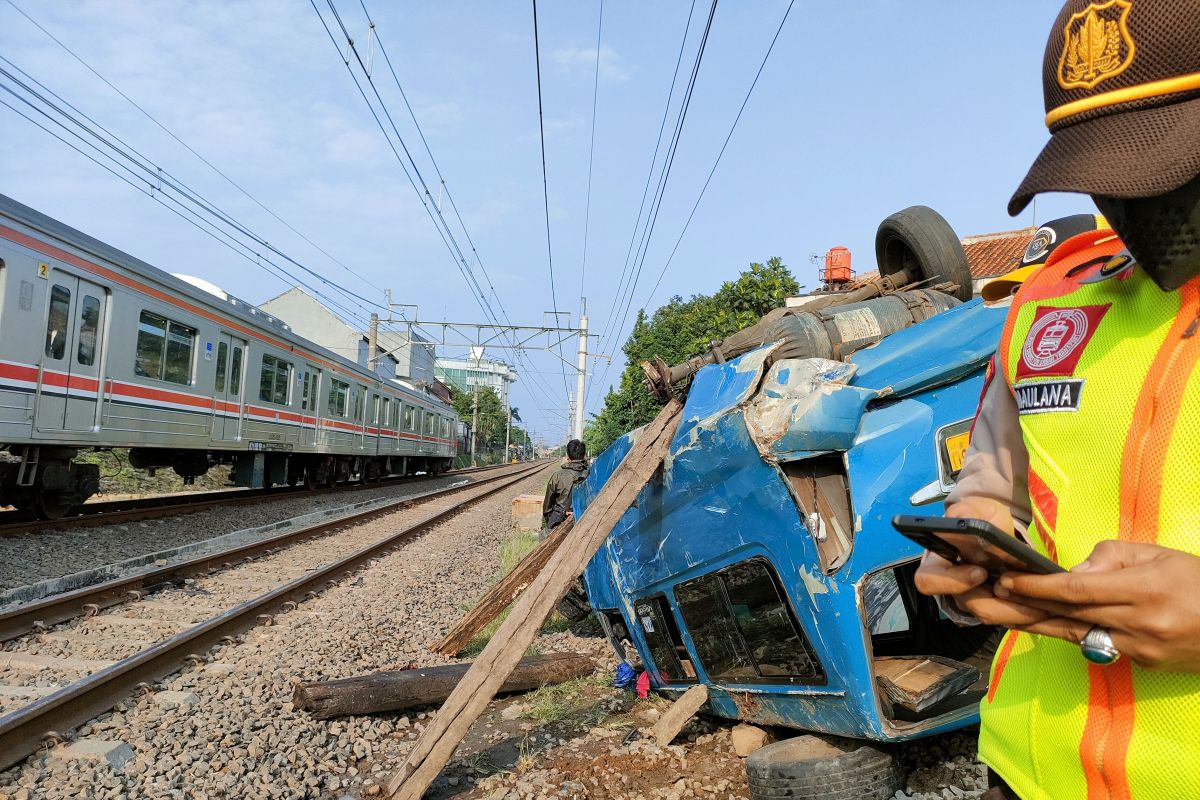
(574, 605)
(809, 767)
(919, 240)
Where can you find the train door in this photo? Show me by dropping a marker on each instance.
(310, 405)
(69, 385)
(230, 380)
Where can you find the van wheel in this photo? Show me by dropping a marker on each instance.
(811, 767)
(574, 605)
(920, 241)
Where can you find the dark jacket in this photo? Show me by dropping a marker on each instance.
(557, 502)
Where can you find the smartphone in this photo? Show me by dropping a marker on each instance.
(962, 540)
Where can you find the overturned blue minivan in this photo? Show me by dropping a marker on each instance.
(760, 560)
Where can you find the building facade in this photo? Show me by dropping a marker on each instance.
(464, 374)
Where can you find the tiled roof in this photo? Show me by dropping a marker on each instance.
(995, 254)
(990, 254)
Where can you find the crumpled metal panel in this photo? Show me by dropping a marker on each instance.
(720, 498)
(804, 407)
(940, 350)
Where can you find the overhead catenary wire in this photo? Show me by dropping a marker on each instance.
(587, 214)
(537, 57)
(410, 167)
(160, 179)
(187, 146)
(720, 154)
(441, 178)
(664, 177)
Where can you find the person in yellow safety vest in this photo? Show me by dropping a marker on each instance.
(1089, 448)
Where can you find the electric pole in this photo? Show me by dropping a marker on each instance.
(373, 342)
(474, 423)
(581, 366)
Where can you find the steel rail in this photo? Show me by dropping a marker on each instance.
(24, 731)
(138, 509)
(89, 600)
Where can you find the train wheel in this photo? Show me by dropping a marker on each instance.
(50, 505)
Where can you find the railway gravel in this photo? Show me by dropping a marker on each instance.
(50, 554)
(231, 729)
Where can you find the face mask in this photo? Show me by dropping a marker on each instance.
(1162, 232)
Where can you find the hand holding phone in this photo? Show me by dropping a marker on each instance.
(974, 541)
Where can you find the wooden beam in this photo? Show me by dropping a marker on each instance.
(397, 689)
(500, 596)
(671, 723)
(436, 745)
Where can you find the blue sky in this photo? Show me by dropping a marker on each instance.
(863, 109)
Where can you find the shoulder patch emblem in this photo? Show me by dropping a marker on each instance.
(1097, 45)
(1056, 340)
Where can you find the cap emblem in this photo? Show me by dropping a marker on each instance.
(1097, 45)
(1039, 245)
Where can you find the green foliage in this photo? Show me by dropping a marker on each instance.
(680, 330)
(491, 418)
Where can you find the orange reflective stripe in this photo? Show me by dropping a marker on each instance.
(1154, 416)
(1002, 656)
(1045, 503)
(1108, 730)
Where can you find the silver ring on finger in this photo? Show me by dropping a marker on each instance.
(1098, 647)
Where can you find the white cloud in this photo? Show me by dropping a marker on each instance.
(583, 60)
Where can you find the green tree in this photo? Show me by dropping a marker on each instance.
(490, 435)
(682, 329)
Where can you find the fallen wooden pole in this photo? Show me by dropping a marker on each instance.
(436, 745)
(500, 596)
(671, 723)
(398, 689)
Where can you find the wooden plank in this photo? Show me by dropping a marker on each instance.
(397, 689)
(671, 723)
(436, 745)
(500, 596)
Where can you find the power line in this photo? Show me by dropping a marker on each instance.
(185, 145)
(537, 56)
(156, 177)
(664, 176)
(717, 162)
(649, 174)
(587, 214)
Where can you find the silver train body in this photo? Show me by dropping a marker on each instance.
(101, 350)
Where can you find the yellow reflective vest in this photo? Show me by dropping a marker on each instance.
(1102, 364)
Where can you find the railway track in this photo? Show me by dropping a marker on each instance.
(119, 512)
(252, 582)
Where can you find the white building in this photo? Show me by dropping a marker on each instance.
(464, 374)
(399, 358)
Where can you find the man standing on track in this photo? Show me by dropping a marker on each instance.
(1091, 442)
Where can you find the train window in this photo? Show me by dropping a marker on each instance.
(408, 418)
(386, 419)
(180, 339)
(222, 357)
(89, 324)
(360, 403)
(56, 322)
(375, 410)
(235, 372)
(274, 380)
(305, 391)
(337, 398)
(743, 629)
(164, 349)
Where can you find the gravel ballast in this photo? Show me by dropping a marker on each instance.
(51, 554)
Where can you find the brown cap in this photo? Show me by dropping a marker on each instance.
(1122, 86)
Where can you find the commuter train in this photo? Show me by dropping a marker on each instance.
(101, 350)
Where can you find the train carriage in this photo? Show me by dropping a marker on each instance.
(101, 350)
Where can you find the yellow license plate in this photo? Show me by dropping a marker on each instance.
(956, 449)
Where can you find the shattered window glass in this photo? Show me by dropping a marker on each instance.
(719, 645)
(743, 628)
(885, 607)
(659, 630)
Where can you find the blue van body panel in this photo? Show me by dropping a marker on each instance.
(722, 497)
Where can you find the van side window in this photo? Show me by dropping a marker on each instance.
(56, 322)
(662, 634)
(89, 324)
(743, 628)
(274, 380)
(164, 349)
